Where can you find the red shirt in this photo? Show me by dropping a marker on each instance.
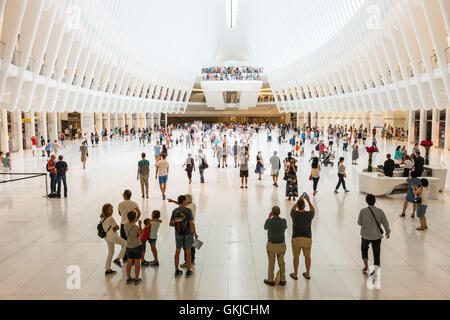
(52, 164)
(33, 141)
(145, 234)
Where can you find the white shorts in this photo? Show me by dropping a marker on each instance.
(33, 148)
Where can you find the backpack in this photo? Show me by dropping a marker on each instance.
(100, 231)
(180, 222)
(317, 148)
(204, 164)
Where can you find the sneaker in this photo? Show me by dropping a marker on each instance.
(130, 281)
(335, 191)
(347, 191)
(178, 273)
(137, 281)
(110, 272)
(189, 274)
(117, 263)
(154, 263)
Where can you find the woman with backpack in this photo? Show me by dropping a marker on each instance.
(107, 229)
(202, 165)
(190, 165)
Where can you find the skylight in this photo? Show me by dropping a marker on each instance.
(231, 13)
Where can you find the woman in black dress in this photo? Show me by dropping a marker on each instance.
(291, 181)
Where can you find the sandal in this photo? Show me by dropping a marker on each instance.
(402, 215)
(304, 276)
(293, 276)
(421, 229)
(269, 283)
(365, 271)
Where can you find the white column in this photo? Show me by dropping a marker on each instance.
(152, 121)
(29, 128)
(17, 135)
(98, 122)
(447, 129)
(53, 126)
(435, 128)
(165, 122)
(411, 124)
(108, 123)
(4, 145)
(123, 121)
(43, 125)
(423, 123)
(159, 120)
(130, 121)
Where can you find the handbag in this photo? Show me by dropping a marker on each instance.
(418, 200)
(381, 230)
(310, 177)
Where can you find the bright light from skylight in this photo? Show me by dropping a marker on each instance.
(231, 13)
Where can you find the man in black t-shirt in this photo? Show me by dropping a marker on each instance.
(302, 235)
(419, 162)
(61, 169)
(389, 166)
(183, 221)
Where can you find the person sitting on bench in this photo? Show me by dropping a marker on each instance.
(389, 166)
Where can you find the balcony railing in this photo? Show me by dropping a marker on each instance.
(17, 56)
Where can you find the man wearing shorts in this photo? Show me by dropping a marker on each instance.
(302, 237)
(162, 173)
(33, 145)
(183, 222)
(244, 156)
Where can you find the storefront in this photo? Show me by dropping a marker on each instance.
(72, 121)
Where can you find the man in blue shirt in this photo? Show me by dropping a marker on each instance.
(61, 169)
(157, 149)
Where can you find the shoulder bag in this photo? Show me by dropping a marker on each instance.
(376, 221)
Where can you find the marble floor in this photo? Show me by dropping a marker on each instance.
(40, 238)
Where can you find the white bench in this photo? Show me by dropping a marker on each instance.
(380, 185)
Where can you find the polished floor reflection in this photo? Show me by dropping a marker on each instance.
(40, 238)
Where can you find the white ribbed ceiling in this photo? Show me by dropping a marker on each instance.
(179, 36)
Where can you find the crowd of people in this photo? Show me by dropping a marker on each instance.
(230, 145)
(232, 73)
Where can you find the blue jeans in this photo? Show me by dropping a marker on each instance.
(63, 178)
(52, 182)
(202, 171)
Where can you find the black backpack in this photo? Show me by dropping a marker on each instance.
(317, 147)
(100, 231)
(180, 221)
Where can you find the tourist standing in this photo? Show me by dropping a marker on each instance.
(370, 219)
(61, 170)
(190, 166)
(202, 165)
(134, 247)
(33, 145)
(302, 235)
(410, 197)
(183, 222)
(112, 238)
(84, 153)
(422, 193)
(53, 173)
(143, 173)
(355, 152)
(315, 174)
(276, 245)
(124, 207)
(291, 181)
(259, 165)
(275, 163)
(243, 172)
(162, 174)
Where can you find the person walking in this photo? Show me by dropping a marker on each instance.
(370, 219)
(422, 194)
(112, 238)
(190, 166)
(162, 173)
(259, 165)
(291, 181)
(235, 154)
(33, 145)
(157, 150)
(302, 235)
(355, 152)
(342, 175)
(84, 153)
(243, 172)
(276, 245)
(275, 163)
(202, 165)
(6, 164)
(183, 222)
(143, 173)
(61, 170)
(315, 174)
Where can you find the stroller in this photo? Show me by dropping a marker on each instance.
(328, 158)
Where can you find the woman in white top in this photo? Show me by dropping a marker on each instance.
(423, 193)
(110, 226)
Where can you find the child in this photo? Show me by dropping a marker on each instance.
(134, 247)
(155, 223)
(297, 149)
(302, 149)
(145, 237)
